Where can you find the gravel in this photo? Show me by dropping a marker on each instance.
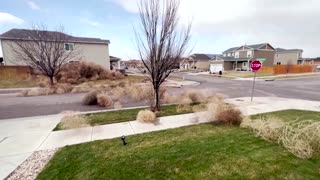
(31, 167)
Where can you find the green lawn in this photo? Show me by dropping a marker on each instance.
(292, 115)
(102, 118)
(195, 152)
(128, 115)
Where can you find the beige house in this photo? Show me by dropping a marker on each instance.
(288, 56)
(90, 49)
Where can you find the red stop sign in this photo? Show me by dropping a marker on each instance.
(256, 65)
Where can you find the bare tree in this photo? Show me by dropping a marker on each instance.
(44, 51)
(160, 42)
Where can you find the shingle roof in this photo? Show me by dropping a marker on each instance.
(253, 46)
(287, 50)
(25, 34)
(204, 57)
(230, 50)
(234, 59)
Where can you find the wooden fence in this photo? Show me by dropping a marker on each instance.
(284, 69)
(15, 72)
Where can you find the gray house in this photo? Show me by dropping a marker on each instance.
(239, 58)
(91, 49)
(288, 56)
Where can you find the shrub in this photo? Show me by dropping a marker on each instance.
(269, 128)
(75, 73)
(104, 100)
(74, 121)
(90, 98)
(229, 116)
(63, 88)
(117, 105)
(23, 93)
(300, 138)
(146, 116)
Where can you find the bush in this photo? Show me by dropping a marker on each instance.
(90, 98)
(63, 88)
(301, 138)
(104, 100)
(146, 116)
(76, 73)
(74, 121)
(229, 116)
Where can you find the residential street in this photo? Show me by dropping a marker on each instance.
(304, 88)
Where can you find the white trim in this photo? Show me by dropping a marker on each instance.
(1, 50)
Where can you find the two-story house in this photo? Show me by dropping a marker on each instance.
(90, 49)
(239, 58)
(288, 56)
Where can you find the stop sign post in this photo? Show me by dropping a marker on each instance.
(255, 66)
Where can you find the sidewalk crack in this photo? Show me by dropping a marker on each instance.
(3, 139)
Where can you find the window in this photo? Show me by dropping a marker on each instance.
(68, 46)
(245, 64)
(278, 63)
(249, 53)
(232, 54)
(229, 54)
(224, 55)
(236, 55)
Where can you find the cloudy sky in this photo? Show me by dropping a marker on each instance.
(217, 24)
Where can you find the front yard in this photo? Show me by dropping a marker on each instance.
(196, 152)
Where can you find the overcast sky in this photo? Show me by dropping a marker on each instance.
(217, 24)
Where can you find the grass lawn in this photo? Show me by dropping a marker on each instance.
(292, 115)
(102, 118)
(244, 74)
(194, 152)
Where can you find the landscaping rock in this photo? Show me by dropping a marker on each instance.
(31, 167)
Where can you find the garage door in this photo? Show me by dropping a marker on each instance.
(214, 68)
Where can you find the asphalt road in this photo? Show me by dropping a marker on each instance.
(302, 88)
(306, 88)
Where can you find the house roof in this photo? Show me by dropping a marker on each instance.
(114, 59)
(25, 34)
(253, 46)
(287, 50)
(204, 57)
(235, 59)
(230, 50)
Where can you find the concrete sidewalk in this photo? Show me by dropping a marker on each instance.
(20, 137)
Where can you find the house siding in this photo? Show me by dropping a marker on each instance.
(203, 65)
(228, 66)
(286, 57)
(268, 54)
(96, 53)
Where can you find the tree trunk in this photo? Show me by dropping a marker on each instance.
(156, 103)
(51, 81)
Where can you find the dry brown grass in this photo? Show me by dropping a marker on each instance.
(76, 73)
(104, 100)
(301, 138)
(117, 105)
(74, 121)
(146, 116)
(90, 98)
